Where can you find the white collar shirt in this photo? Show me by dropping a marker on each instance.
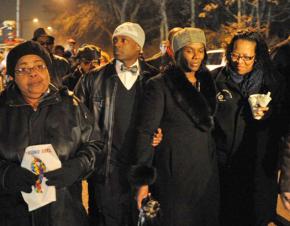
(127, 78)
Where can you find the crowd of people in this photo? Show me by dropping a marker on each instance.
(165, 130)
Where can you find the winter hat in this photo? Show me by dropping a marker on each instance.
(89, 52)
(38, 33)
(131, 30)
(27, 48)
(186, 36)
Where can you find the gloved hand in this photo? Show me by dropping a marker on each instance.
(65, 176)
(19, 179)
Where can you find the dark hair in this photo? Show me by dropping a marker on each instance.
(262, 58)
(50, 40)
(59, 47)
(181, 62)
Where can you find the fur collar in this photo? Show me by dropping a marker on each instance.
(200, 106)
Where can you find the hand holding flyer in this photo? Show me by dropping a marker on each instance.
(40, 159)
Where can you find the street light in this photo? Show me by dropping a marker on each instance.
(27, 25)
(35, 20)
(49, 28)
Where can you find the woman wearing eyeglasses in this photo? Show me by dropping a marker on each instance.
(247, 141)
(34, 112)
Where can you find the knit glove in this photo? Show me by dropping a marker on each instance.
(68, 174)
(18, 179)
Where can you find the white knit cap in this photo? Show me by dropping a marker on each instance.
(131, 30)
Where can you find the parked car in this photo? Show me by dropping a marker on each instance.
(216, 58)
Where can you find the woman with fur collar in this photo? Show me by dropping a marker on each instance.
(182, 102)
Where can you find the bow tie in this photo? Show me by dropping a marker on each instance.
(132, 69)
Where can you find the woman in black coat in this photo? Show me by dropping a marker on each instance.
(248, 148)
(34, 112)
(181, 102)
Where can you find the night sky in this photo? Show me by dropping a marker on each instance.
(29, 9)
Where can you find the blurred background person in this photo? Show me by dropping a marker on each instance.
(104, 59)
(281, 58)
(2, 71)
(71, 49)
(88, 58)
(59, 51)
(165, 58)
(60, 64)
(285, 172)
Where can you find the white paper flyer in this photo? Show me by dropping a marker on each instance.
(40, 159)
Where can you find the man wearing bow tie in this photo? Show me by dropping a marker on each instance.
(113, 94)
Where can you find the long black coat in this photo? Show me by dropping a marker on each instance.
(60, 120)
(186, 185)
(248, 152)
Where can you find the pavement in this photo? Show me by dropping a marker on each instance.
(283, 215)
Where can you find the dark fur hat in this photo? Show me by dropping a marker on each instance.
(27, 48)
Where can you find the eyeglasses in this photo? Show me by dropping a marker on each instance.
(29, 70)
(246, 59)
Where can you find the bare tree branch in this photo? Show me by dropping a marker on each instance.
(117, 11)
(123, 11)
(135, 11)
(220, 3)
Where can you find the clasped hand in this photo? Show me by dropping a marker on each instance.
(65, 176)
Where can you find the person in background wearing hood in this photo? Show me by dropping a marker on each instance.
(112, 93)
(71, 50)
(30, 110)
(87, 59)
(248, 142)
(181, 101)
(60, 64)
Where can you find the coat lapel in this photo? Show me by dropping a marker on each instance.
(199, 106)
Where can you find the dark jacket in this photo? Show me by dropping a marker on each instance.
(61, 68)
(161, 62)
(59, 120)
(185, 160)
(285, 165)
(281, 59)
(247, 150)
(71, 80)
(97, 90)
(233, 104)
